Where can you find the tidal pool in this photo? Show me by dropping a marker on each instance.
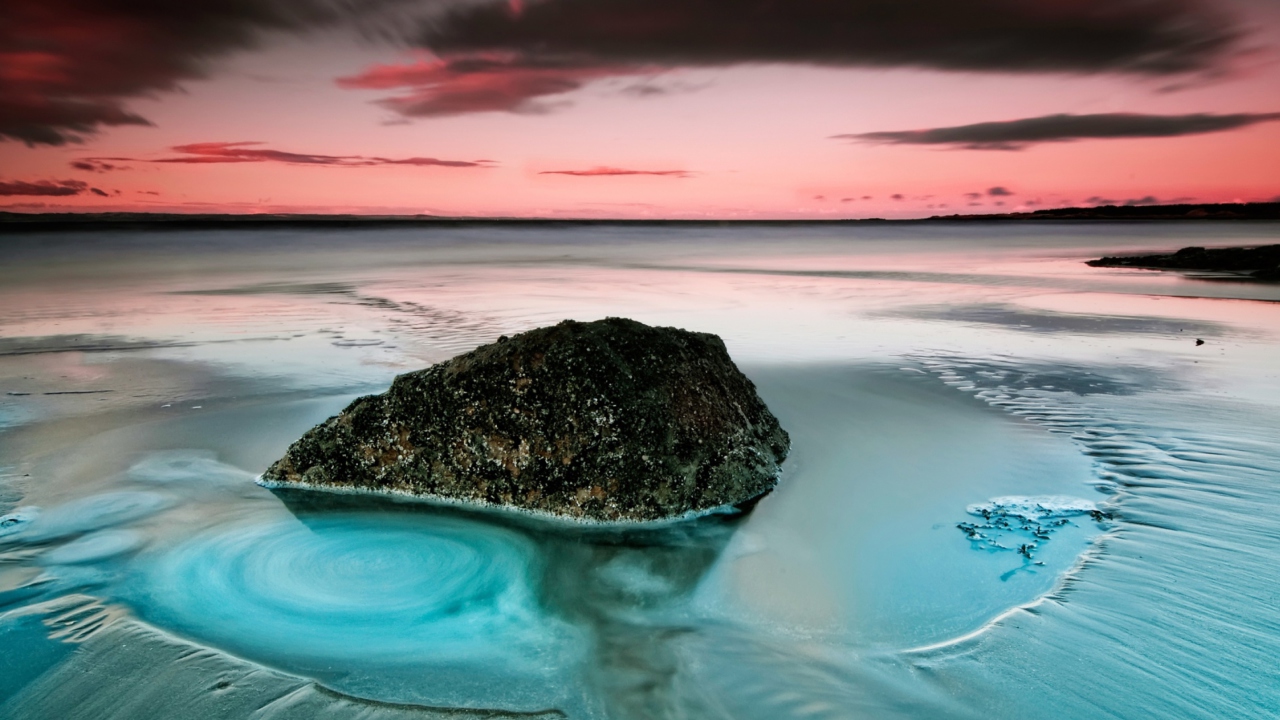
(356, 599)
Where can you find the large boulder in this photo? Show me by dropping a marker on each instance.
(610, 421)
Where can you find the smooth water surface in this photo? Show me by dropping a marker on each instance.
(1017, 486)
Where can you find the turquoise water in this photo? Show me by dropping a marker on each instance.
(1017, 486)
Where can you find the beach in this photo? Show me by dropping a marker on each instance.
(1018, 484)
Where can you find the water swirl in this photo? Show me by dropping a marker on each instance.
(355, 589)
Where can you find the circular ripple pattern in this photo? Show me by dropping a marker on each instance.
(356, 588)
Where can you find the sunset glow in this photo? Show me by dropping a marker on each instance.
(637, 108)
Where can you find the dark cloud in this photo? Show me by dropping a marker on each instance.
(1131, 202)
(498, 56)
(51, 188)
(645, 90)
(68, 66)
(896, 196)
(98, 165)
(96, 191)
(603, 171)
(998, 191)
(1148, 36)
(1020, 134)
(250, 152)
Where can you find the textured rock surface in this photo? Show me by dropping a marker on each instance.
(610, 421)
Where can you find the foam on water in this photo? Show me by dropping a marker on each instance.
(187, 467)
(95, 547)
(31, 525)
(1022, 524)
(1039, 507)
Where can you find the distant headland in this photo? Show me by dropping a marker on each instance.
(1184, 211)
(27, 222)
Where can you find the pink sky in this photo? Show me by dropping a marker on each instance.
(634, 119)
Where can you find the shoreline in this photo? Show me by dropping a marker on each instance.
(35, 222)
(510, 512)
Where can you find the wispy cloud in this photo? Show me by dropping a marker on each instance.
(98, 165)
(253, 152)
(433, 88)
(603, 171)
(1021, 134)
(48, 188)
(1146, 200)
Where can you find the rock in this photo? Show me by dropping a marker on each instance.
(608, 421)
(1244, 263)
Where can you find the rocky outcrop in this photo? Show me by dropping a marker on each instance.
(1256, 263)
(611, 421)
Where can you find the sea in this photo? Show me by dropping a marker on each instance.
(1019, 486)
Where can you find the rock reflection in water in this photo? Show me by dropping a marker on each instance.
(625, 591)
(633, 590)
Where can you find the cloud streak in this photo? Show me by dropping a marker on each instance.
(45, 188)
(98, 165)
(481, 83)
(251, 152)
(605, 171)
(1024, 133)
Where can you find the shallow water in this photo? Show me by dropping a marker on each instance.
(1017, 485)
